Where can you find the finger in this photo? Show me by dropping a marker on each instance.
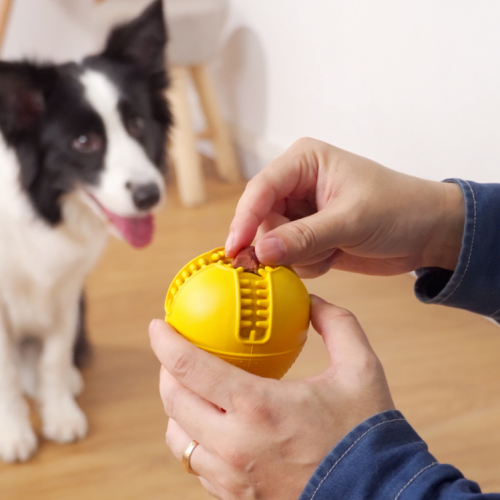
(295, 169)
(203, 462)
(272, 221)
(302, 239)
(316, 259)
(211, 378)
(178, 440)
(206, 464)
(260, 195)
(344, 338)
(298, 209)
(196, 415)
(210, 488)
(318, 269)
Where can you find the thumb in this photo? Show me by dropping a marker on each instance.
(302, 239)
(345, 340)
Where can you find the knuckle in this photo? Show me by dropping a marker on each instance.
(335, 314)
(256, 405)
(261, 181)
(242, 398)
(303, 393)
(253, 182)
(170, 392)
(341, 313)
(264, 179)
(260, 412)
(268, 413)
(167, 391)
(304, 237)
(237, 459)
(304, 143)
(169, 403)
(182, 364)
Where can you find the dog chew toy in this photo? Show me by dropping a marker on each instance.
(256, 320)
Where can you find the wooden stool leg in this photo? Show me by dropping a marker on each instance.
(5, 7)
(225, 161)
(188, 167)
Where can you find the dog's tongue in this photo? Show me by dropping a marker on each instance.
(138, 231)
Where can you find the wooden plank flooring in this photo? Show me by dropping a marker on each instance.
(442, 364)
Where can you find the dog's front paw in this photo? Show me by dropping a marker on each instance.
(63, 421)
(17, 439)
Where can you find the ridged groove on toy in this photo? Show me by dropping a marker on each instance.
(217, 256)
(255, 307)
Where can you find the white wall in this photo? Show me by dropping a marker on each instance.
(412, 84)
(60, 30)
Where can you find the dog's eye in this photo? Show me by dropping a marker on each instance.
(136, 126)
(87, 143)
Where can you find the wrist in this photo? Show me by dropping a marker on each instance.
(443, 249)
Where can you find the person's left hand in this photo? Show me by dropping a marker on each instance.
(263, 438)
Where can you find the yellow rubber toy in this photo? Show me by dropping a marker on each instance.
(257, 322)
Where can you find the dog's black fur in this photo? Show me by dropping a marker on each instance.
(82, 150)
(42, 110)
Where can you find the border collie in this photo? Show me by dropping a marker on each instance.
(82, 152)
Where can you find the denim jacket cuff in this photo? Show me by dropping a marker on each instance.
(474, 285)
(383, 458)
(368, 460)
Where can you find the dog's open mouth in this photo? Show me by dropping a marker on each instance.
(137, 231)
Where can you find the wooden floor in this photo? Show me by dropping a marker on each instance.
(443, 366)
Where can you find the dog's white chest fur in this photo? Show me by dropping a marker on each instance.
(81, 152)
(41, 268)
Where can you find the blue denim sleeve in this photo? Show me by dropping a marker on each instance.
(475, 283)
(385, 459)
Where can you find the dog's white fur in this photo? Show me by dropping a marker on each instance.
(42, 270)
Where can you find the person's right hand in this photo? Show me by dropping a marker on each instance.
(318, 207)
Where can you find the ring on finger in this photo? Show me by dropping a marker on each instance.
(186, 457)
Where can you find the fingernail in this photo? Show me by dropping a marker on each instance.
(270, 251)
(229, 243)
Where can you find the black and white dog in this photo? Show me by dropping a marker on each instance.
(82, 151)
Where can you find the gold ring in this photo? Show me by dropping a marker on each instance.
(186, 457)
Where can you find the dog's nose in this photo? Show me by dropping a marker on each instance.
(145, 196)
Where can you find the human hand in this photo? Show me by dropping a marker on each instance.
(317, 207)
(271, 435)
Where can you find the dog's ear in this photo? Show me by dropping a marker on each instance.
(141, 41)
(24, 90)
(22, 100)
